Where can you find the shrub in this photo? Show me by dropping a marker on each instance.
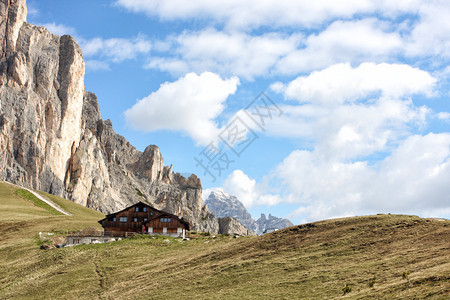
(372, 281)
(405, 275)
(139, 193)
(346, 289)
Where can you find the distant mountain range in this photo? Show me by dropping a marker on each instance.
(223, 205)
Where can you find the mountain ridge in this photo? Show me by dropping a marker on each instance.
(222, 205)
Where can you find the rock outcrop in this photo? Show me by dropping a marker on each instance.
(224, 205)
(52, 136)
(232, 226)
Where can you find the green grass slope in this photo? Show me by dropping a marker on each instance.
(313, 261)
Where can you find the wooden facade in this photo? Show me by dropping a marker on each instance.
(142, 218)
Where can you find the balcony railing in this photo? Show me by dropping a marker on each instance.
(123, 224)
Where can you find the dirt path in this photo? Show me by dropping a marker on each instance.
(42, 199)
(101, 276)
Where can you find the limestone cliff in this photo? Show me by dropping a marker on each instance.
(52, 136)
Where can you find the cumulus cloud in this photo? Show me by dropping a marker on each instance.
(430, 36)
(343, 41)
(100, 52)
(312, 35)
(349, 112)
(226, 53)
(97, 65)
(116, 49)
(253, 13)
(188, 105)
(275, 53)
(247, 190)
(59, 29)
(413, 179)
(349, 131)
(341, 83)
(444, 116)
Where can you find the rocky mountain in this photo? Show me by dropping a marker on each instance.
(224, 205)
(52, 136)
(272, 223)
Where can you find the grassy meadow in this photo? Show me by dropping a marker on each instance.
(376, 257)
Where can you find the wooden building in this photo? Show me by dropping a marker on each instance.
(142, 218)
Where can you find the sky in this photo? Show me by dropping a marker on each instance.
(303, 109)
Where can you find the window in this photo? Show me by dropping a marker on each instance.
(134, 219)
(151, 213)
(144, 209)
(137, 208)
(123, 219)
(165, 220)
(114, 219)
(145, 219)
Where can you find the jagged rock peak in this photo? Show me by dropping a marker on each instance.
(150, 164)
(224, 205)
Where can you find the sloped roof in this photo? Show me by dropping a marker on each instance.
(160, 213)
(128, 207)
(182, 221)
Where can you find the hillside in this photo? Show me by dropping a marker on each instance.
(309, 261)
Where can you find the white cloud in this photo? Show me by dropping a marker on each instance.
(188, 105)
(341, 83)
(343, 41)
(431, 34)
(356, 32)
(59, 29)
(248, 56)
(115, 49)
(96, 65)
(351, 112)
(413, 179)
(226, 53)
(274, 13)
(247, 190)
(444, 116)
(100, 52)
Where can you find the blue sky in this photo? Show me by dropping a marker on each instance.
(354, 117)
